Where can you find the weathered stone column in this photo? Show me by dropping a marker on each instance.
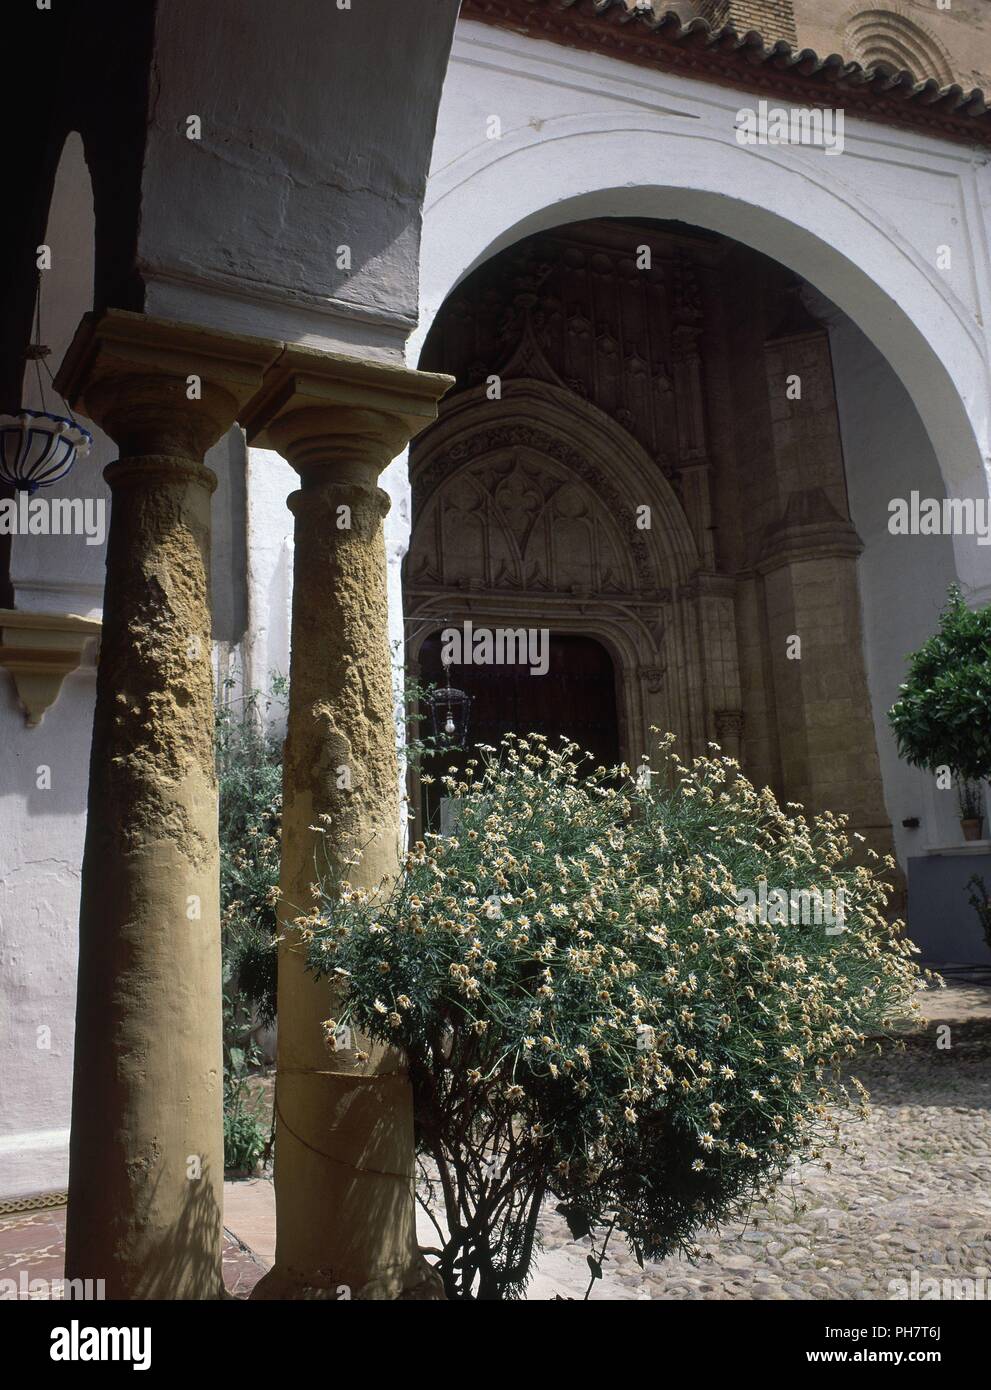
(344, 1138)
(146, 1155)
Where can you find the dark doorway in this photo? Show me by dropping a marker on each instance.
(576, 697)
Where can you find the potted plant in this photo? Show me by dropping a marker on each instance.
(971, 798)
(942, 718)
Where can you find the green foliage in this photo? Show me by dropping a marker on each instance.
(587, 1010)
(249, 774)
(245, 1138)
(943, 715)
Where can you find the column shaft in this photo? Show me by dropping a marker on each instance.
(146, 1157)
(344, 1155)
(146, 1149)
(344, 1129)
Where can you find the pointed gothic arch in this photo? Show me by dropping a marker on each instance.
(530, 516)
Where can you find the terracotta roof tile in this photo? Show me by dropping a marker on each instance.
(723, 54)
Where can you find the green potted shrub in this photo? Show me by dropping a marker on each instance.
(970, 796)
(942, 718)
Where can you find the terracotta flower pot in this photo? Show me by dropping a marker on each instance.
(972, 827)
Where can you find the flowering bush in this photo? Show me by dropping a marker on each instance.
(587, 1010)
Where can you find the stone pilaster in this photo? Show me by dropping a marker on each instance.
(826, 740)
(344, 1140)
(825, 730)
(146, 1157)
(693, 469)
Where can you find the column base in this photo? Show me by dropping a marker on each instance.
(418, 1284)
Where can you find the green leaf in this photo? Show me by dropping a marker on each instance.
(578, 1223)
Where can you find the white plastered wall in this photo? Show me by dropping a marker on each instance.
(42, 828)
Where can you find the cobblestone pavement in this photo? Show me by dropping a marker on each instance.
(916, 1197)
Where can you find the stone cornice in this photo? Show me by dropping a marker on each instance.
(120, 343)
(746, 62)
(812, 542)
(810, 528)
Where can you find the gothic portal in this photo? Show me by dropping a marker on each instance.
(643, 452)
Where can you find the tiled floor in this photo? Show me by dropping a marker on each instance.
(32, 1251)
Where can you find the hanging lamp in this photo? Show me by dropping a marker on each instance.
(38, 447)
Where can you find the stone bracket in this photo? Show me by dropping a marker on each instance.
(40, 650)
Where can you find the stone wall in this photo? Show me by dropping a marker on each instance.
(773, 18)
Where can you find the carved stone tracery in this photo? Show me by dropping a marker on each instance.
(517, 475)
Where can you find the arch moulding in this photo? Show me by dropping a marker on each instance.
(530, 514)
(827, 225)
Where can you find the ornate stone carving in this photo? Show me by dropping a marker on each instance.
(505, 498)
(577, 309)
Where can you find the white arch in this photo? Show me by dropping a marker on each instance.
(791, 203)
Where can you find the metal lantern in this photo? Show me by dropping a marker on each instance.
(37, 449)
(449, 710)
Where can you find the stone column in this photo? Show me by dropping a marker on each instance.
(146, 1160)
(344, 1138)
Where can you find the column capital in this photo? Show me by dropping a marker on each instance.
(330, 411)
(131, 374)
(728, 722)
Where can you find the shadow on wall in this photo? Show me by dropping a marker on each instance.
(941, 920)
(47, 767)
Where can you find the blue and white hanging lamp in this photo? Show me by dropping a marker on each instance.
(37, 448)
